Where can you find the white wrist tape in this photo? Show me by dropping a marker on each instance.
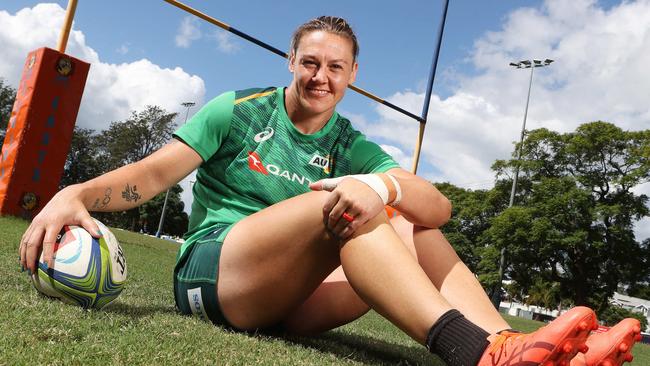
(388, 189)
(375, 182)
(398, 189)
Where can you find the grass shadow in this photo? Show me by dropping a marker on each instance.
(367, 350)
(138, 311)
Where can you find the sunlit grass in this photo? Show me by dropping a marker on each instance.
(142, 327)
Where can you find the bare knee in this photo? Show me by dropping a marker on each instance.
(254, 288)
(370, 225)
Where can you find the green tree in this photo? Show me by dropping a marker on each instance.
(544, 294)
(176, 219)
(135, 138)
(640, 290)
(132, 140)
(84, 161)
(576, 210)
(7, 98)
(472, 213)
(615, 314)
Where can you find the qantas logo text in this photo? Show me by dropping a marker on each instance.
(255, 164)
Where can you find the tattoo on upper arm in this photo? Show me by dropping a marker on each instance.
(105, 201)
(131, 193)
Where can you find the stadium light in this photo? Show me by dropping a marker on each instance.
(524, 64)
(187, 105)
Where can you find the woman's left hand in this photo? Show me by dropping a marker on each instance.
(351, 204)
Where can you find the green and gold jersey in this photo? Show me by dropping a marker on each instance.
(253, 157)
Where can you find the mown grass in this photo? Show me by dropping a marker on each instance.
(142, 327)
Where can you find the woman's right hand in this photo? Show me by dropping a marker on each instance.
(65, 208)
(151, 175)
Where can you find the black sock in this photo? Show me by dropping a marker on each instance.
(456, 340)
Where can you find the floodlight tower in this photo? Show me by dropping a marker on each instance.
(187, 105)
(524, 64)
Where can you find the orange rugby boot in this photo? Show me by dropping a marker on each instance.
(552, 345)
(611, 348)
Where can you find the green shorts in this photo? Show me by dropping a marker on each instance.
(195, 278)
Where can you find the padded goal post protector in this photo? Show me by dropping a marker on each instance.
(40, 130)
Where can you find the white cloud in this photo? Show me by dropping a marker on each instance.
(400, 157)
(28, 29)
(188, 32)
(599, 74)
(116, 90)
(112, 90)
(225, 42)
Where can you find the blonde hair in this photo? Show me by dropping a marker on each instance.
(331, 24)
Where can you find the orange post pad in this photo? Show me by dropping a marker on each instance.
(40, 130)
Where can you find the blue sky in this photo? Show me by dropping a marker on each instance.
(396, 41)
(149, 52)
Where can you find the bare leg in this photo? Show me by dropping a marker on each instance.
(457, 284)
(377, 265)
(274, 260)
(335, 303)
(387, 277)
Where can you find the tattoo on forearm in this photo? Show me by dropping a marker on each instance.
(130, 194)
(105, 201)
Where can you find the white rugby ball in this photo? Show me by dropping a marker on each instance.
(88, 272)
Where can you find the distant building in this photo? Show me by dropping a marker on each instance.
(531, 312)
(538, 313)
(633, 304)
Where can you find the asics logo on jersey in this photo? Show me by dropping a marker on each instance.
(255, 164)
(321, 162)
(264, 135)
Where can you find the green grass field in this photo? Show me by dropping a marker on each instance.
(142, 327)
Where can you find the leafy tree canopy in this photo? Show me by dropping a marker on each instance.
(92, 154)
(575, 211)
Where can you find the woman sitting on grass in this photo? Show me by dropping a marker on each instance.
(288, 228)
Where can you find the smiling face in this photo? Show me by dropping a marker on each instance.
(323, 65)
